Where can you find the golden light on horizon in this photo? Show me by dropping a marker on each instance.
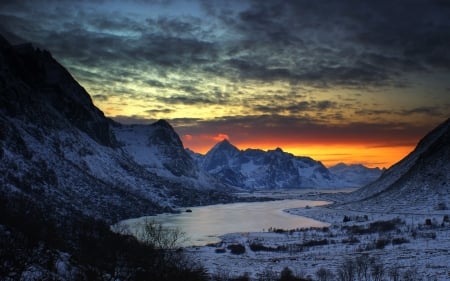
(330, 155)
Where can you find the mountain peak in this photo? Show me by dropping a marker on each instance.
(40, 89)
(225, 144)
(163, 124)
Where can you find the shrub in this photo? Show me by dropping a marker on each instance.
(287, 275)
(384, 226)
(400, 240)
(236, 249)
(350, 240)
(256, 247)
(155, 235)
(324, 274)
(347, 271)
(220, 250)
(315, 243)
(381, 243)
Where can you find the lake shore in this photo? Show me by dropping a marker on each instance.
(412, 246)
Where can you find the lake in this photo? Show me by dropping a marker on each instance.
(205, 225)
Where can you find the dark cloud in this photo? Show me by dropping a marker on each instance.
(157, 111)
(155, 83)
(350, 43)
(431, 111)
(427, 110)
(289, 129)
(188, 100)
(100, 97)
(230, 53)
(295, 107)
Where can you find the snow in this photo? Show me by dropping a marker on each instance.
(135, 140)
(429, 256)
(258, 169)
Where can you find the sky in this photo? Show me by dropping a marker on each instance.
(337, 80)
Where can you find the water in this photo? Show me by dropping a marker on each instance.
(206, 224)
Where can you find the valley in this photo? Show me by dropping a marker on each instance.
(69, 172)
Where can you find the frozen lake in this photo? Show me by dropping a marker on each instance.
(206, 224)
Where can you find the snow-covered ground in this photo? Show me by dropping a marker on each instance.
(415, 244)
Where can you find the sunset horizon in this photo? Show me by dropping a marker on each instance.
(204, 140)
(345, 81)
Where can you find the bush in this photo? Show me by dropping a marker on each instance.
(350, 240)
(236, 249)
(381, 243)
(400, 240)
(324, 274)
(157, 236)
(287, 275)
(256, 247)
(315, 243)
(220, 251)
(384, 226)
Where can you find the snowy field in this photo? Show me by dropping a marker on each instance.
(391, 245)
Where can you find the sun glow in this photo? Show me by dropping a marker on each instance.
(329, 155)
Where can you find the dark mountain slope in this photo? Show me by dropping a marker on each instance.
(55, 145)
(418, 183)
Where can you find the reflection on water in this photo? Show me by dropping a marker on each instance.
(205, 224)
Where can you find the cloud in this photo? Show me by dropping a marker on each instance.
(100, 97)
(294, 107)
(221, 137)
(287, 61)
(427, 110)
(432, 111)
(305, 130)
(324, 43)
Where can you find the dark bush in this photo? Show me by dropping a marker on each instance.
(381, 243)
(256, 247)
(375, 227)
(312, 243)
(384, 226)
(236, 249)
(287, 275)
(350, 240)
(400, 240)
(220, 250)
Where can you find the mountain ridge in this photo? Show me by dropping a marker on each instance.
(258, 169)
(55, 145)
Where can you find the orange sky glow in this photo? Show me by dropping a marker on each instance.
(329, 154)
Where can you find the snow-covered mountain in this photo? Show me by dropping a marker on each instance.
(419, 183)
(56, 146)
(357, 174)
(258, 169)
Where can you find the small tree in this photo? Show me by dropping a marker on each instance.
(346, 272)
(324, 274)
(267, 275)
(362, 267)
(154, 234)
(377, 270)
(394, 273)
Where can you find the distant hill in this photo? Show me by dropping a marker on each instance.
(418, 183)
(357, 174)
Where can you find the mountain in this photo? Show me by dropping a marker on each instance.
(419, 183)
(258, 169)
(57, 147)
(357, 175)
